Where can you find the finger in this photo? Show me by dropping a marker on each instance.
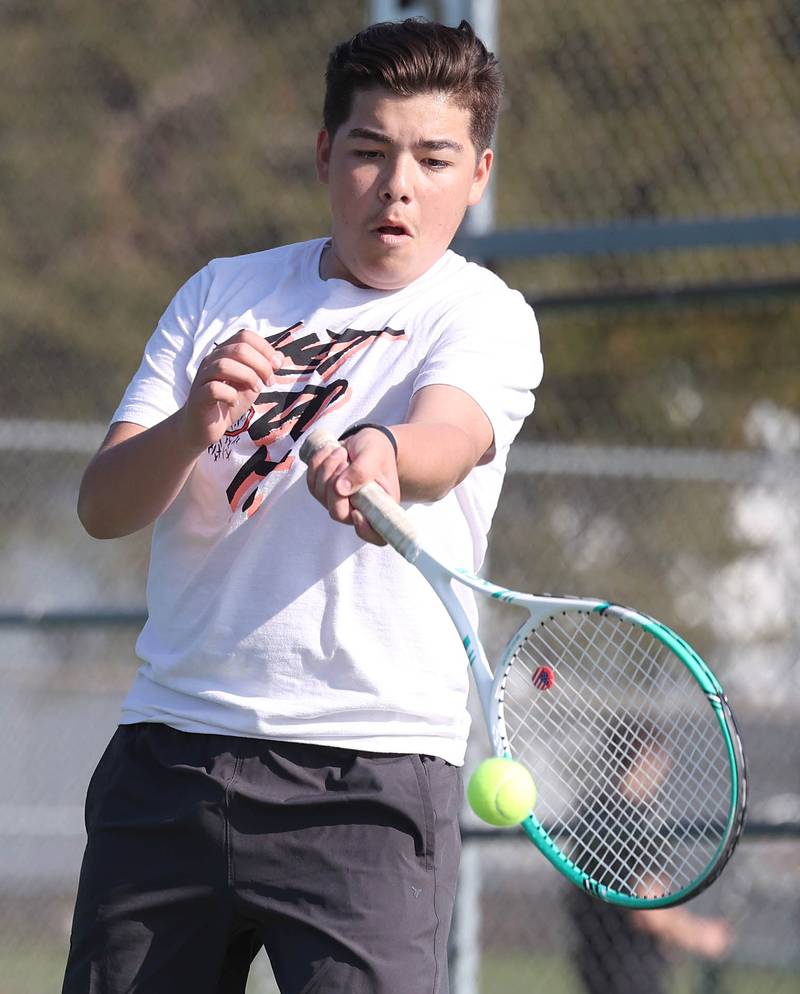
(213, 408)
(340, 509)
(364, 529)
(264, 364)
(323, 468)
(255, 352)
(217, 392)
(350, 481)
(252, 340)
(241, 375)
(353, 479)
(331, 453)
(371, 459)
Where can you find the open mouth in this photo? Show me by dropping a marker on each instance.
(392, 230)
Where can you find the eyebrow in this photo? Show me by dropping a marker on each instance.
(430, 144)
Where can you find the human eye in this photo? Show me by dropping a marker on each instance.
(436, 164)
(368, 154)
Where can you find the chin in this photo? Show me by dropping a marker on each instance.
(388, 278)
(381, 269)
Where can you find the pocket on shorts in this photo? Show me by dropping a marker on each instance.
(428, 812)
(444, 792)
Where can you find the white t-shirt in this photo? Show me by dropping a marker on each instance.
(267, 619)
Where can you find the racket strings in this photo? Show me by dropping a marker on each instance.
(633, 771)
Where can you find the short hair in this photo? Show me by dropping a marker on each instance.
(417, 56)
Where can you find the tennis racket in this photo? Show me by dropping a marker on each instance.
(639, 767)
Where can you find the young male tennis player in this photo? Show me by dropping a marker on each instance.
(286, 770)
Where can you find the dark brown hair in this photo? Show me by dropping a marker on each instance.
(417, 56)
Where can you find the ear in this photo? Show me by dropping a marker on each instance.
(323, 155)
(482, 172)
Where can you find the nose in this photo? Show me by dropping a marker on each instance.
(395, 184)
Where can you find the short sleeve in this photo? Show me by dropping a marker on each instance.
(161, 384)
(490, 350)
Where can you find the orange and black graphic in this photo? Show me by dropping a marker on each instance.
(280, 412)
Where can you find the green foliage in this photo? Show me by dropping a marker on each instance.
(680, 375)
(146, 139)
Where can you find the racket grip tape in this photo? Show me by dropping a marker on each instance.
(385, 515)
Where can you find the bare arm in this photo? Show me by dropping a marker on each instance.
(445, 435)
(707, 937)
(135, 475)
(138, 472)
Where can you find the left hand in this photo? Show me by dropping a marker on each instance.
(336, 473)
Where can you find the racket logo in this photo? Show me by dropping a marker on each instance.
(543, 677)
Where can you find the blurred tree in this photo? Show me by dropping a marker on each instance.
(142, 139)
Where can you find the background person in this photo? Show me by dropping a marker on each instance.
(626, 951)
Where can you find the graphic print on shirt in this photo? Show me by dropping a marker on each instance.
(278, 413)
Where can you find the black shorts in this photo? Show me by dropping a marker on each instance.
(204, 848)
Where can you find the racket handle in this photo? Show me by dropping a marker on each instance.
(385, 515)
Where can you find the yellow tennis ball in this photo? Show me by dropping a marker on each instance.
(501, 792)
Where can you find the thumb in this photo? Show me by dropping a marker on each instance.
(344, 485)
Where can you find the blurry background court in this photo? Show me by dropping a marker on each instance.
(647, 201)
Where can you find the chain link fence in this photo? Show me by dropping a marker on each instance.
(661, 466)
(700, 526)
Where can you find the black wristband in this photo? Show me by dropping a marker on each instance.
(365, 424)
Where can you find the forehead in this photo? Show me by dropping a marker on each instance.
(421, 117)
